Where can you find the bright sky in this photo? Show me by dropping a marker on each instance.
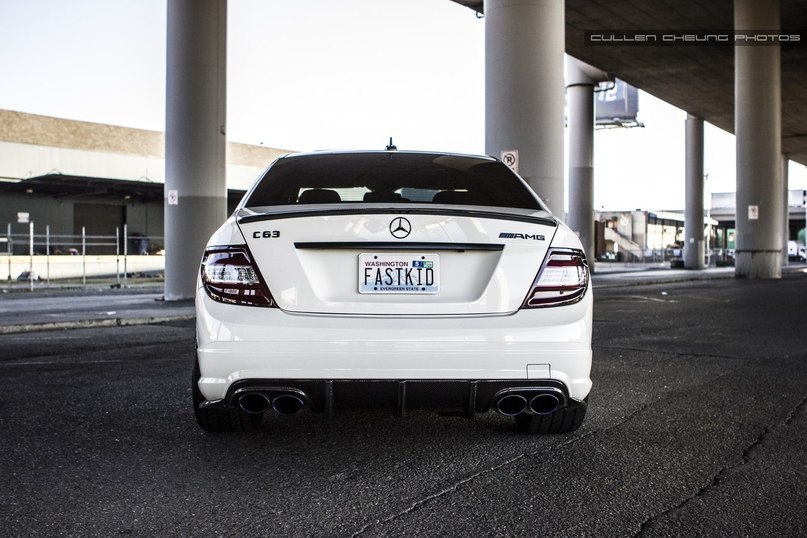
(319, 74)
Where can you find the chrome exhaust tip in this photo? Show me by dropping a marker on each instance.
(511, 405)
(254, 403)
(544, 404)
(288, 404)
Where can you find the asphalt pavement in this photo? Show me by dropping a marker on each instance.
(696, 427)
(71, 308)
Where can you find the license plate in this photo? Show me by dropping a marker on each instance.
(399, 273)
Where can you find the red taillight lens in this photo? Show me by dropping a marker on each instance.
(229, 276)
(562, 280)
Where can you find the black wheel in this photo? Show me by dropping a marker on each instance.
(564, 420)
(219, 420)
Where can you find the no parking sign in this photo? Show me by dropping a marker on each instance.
(510, 158)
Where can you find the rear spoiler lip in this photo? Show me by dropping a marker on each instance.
(319, 211)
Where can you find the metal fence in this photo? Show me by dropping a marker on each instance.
(714, 257)
(39, 256)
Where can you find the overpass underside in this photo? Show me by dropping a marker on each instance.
(758, 92)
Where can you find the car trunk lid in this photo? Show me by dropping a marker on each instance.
(382, 261)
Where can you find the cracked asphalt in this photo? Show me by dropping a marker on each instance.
(696, 427)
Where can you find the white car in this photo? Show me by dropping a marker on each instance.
(399, 280)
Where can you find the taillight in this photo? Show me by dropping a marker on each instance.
(562, 279)
(230, 276)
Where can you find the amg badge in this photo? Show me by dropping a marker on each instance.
(534, 237)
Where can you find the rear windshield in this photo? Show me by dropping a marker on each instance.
(391, 178)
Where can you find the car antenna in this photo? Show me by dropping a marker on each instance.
(391, 146)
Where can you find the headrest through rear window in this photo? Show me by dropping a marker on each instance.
(319, 196)
(383, 196)
(455, 197)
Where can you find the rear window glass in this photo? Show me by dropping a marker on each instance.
(382, 177)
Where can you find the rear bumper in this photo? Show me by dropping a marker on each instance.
(371, 359)
(458, 397)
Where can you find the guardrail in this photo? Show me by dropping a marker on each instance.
(37, 258)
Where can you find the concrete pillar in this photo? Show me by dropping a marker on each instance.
(524, 44)
(581, 80)
(195, 183)
(638, 228)
(785, 208)
(757, 117)
(693, 211)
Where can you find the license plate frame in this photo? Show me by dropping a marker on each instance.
(398, 273)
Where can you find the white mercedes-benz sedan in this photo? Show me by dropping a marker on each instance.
(397, 280)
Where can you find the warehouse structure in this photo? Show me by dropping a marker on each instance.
(73, 175)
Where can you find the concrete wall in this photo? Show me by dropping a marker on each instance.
(61, 267)
(141, 218)
(146, 219)
(58, 214)
(20, 161)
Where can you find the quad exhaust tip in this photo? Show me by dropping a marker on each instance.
(514, 403)
(287, 404)
(258, 403)
(511, 405)
(254, 403)
(544, 404)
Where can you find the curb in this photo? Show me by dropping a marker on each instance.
(91, 323)
(669, 280)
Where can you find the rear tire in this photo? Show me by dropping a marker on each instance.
(218, 419)
(564, 420)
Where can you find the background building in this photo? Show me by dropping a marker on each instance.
(647, 236)
(68, 175)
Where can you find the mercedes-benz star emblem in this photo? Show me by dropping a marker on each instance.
(400, 228)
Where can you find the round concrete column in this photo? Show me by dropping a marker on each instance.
(524, 44)
(693, 212)
(581, 79)
(195, 141)
(757, 113)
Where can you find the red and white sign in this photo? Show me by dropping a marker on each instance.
(510, 158)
